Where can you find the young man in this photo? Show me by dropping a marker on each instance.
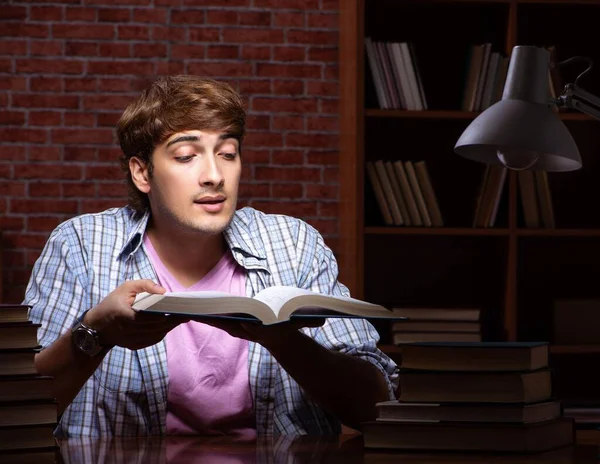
(124, 373)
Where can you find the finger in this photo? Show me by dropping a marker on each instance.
(144, 285)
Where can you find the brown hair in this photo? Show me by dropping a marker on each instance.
(173, 104)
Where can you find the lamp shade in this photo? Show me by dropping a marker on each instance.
(521, 131)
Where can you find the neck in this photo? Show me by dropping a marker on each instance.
(189, 258)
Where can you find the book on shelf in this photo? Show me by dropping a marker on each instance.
(390, 197)
(475, 386)
(476, 356)
(416, 325)
(470, 436)
(28, 412)
(429, 196)
(14, 312)
(270, 306)
(380, 196)
(15, 361)
(489, 196)
(407, 193)
(449, 314)
(401, 337)
(470, 412)
(18, 334)
(24, 437)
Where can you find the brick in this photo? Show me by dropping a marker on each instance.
(45, 13)
(331, 174)
(116, 84)
(13, 47)
(286, 190)
(52, 66)
(272, 173)
(111, 154)
(255, 18)
(331, 72)
(24, 30)
(254, 190)
(12, 223)
(256, 53)
(289, 53)
(296, 71)
(324, 157)
(105, 102)
(326, 54)
(6, 66)
(115, 50)
(112, 189)
(289, 19)
(24, 206)
(204, 34)
(120, 2)
(323, 124)
(151, 15)
(169, 68)
(287, 157)
(288, 4)
(323, 21)
(312, 140)
(46, 84)
(226, 52)
(185, 51)
(47, 171)
(23, 135)
(41, 100)
(252, 35)
(27, 240)
(13, 83)
(322, 191)
(44, 153)
(251, 155)
(44, 118)
(312, 37)
(81, 14)
(133, 32)
(174, 34)
(79, 153)
(44, 189)
(81, 49)
(217, 3)
(13, 12)
(297, 209)
(330, 106)
(247, 86)
(116, 15)
(94, 206)
(263, 139)
(14, 189)
(258, 122)
(80, 84)
(107, 172)
(330, 5)
(285, 105)
(220, 69)
(43, 223)
(12, 153)
(83, 31)
(150, 50)
(325, 227)
(288, 123)
(108, 119)
(78, 189)
(14, 118)
(120, 67)
(294, 88)
(13, 258)
(79, 119)
(222, 17)
(87, 136)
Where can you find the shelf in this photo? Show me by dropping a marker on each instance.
(441, 114)
(555, 349)
(470, 231)
(474, 231)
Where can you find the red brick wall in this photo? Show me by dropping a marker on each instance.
(69, 67)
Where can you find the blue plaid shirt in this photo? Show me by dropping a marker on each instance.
(88, 256)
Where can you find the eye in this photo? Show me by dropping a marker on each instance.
(230, 156)
(184, 159)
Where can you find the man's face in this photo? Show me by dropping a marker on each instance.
(194, 183)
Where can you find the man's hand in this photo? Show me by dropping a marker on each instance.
(118, 324)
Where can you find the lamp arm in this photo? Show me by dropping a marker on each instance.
(574, 97)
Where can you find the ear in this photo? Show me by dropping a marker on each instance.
(139, 174)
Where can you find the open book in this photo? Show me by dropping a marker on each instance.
(270, 306)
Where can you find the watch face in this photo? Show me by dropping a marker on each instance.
(84, 340)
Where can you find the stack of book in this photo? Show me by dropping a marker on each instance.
(494, 396)
(436, 325)
(28, 409)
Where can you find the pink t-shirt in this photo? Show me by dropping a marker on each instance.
(209, 391)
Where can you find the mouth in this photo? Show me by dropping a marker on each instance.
(210, 200)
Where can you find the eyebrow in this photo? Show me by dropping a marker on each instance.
(195, 138)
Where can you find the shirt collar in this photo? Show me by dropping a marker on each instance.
(238, 237)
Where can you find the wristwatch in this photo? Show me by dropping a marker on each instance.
(85, 338)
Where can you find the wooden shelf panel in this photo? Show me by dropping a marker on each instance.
(558, 232)
(555, 349)
(473, 231)
(443, 114)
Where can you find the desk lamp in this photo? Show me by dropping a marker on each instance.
(522, 131)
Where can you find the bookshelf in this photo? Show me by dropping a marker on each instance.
(511, 272)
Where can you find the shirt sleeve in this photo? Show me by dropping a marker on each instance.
(54, 291)
(354, 337)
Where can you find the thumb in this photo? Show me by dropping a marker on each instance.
(144, 285)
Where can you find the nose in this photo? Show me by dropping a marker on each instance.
(211, 174)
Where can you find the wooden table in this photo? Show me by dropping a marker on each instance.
(347, 449)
